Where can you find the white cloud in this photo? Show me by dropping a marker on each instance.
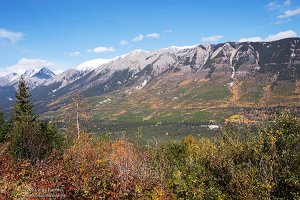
(278, 36)
(153, 35)
(251, 39)
(26, 64)
(282, 21)
(138, 38)
(289, 13)
(141, 37)
(213, 38)
(273, 6)
(11, 36)
(287, 2)
(168, 31)
(281, 35)
(123, 42)
(101, 50)
(277, 6)
(73, 54)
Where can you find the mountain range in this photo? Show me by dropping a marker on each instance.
(175, 83)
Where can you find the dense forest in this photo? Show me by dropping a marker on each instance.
(36, 160)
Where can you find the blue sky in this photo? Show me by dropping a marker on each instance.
(63, 33)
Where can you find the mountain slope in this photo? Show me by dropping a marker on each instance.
(183, 80)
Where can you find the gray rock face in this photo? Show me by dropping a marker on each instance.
(232, 61)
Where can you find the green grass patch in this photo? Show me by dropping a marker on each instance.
(284, 89)
(201, 116)
(251, 91)
(209, 91)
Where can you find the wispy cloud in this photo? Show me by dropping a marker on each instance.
(124, 42)
(101, 50)
(26, 64)
(282, 21)
(73, 54)
(273, 6)
(281, 35)
(251, 39)
(153, 35)
(11, 36)
(213, 38)
(168, 31)
(271, 37)
(141, 37)
(281, 7)
(138, 38)
(289, 13)
(287, 2)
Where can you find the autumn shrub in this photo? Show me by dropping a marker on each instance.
(242, 163)
(283, 141)
(14, 175)
(135, 176)
(185, 173)
(109, 169)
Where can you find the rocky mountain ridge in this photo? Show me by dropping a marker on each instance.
(226, 64)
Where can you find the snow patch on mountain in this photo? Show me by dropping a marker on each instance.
(30, 73)
(182, 47)
(5, 80)
(142, 85)
(92, 64)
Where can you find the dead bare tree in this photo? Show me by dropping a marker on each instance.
(78, 113)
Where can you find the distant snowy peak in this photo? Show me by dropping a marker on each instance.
(39, 73)
(30, 73)
(12, 76)
(44, 73)
(4, 80)
(129, 59)
(136, 52)
(182, 47)
(92, 64)
(33, 77)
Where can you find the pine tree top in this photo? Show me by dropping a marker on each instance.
(23, 106)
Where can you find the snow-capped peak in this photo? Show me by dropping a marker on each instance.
(92, 64)
(33, 77)
(182, 47)
(136, 51)
(11, 76)
(30, 73)
(4, 80)
(44, 73)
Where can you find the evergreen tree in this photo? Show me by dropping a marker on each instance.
(23, 106)
(23, 122)
(2, 127)
(30, 139)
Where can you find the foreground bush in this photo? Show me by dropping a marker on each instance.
(240, 164)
